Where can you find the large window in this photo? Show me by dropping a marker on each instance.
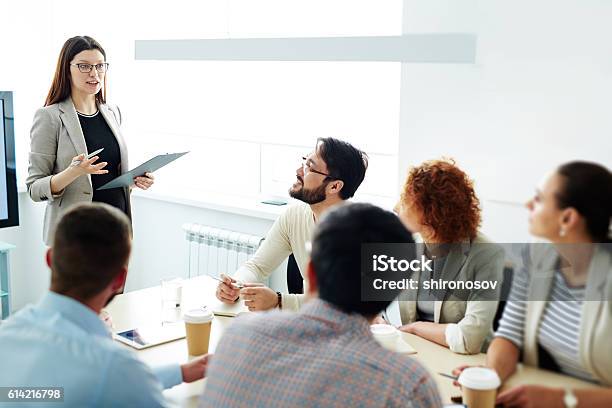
(247, 124)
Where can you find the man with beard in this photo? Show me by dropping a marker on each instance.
(61, 341)
(327, 177)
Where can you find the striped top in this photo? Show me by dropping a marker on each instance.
(559, 329)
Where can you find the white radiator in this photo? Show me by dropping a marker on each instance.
(213, 251)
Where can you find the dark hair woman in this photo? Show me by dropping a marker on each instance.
(76, 120)
(558, 314)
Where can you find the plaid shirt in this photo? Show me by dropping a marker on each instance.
(317, 357)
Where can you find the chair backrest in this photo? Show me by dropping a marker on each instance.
(505, 291)
(295, 282)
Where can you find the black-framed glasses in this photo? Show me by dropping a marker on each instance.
(307, 165)
(86, 68)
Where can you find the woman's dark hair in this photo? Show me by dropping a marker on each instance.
(61, 86)
(344, 162)
(587, 187)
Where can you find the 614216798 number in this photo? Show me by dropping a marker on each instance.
(8, 394)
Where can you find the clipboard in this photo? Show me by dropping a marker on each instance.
(156, 163)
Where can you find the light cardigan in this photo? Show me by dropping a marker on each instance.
(594, 347)
(290, 233)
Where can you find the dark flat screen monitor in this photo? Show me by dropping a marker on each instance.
(9, 212)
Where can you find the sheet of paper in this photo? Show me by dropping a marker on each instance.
(223, 309)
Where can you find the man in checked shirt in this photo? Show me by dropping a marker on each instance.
(324, 355)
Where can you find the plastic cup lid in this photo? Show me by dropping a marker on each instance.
(383, 330)
(200, 315)
(479, 378)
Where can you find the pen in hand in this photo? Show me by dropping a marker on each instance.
(89, 156)
(237, 285)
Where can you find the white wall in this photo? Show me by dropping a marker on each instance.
(537, 96)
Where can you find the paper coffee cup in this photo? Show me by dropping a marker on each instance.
(479, 385)
(197, 329)
(385, 334)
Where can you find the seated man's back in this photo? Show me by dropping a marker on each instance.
(61, 343)
(319, 356)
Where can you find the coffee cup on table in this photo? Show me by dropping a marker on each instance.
(385, 334)
(197, 328)
(479, 385)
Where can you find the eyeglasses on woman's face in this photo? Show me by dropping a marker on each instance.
(86, 68)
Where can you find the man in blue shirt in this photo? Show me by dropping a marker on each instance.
(61, 341)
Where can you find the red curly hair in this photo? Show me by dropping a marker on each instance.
(444, 196)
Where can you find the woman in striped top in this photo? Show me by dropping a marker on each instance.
(573, 327)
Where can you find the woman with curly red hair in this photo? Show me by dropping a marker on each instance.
(439, 204)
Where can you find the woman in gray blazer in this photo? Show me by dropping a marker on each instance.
(439, 203)
(76, 120)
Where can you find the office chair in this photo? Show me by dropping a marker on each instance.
(295, 282)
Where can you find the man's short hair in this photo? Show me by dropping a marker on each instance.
(91, 245)
(344, 162)
(336, 253)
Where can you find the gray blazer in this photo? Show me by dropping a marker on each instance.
(56, 137)
(471, 320)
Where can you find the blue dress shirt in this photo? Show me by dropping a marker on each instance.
(60, 342)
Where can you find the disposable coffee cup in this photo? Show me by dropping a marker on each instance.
(479, 385)
(385, 334)
(197, 328)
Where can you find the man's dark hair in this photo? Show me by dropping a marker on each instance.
(336, 253)
(344, 162)
(91, 244)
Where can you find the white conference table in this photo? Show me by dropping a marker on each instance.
(143, 307)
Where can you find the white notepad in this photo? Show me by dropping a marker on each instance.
(404, 347)
(223, 309)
